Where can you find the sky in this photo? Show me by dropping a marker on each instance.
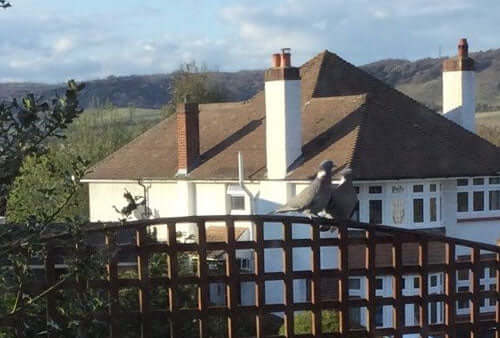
(55, 40)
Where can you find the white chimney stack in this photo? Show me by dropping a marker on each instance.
(459, 86)
(283, 115)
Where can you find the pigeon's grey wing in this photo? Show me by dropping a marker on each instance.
(344, 200)
(302, 200)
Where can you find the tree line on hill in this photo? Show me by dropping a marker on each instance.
(420, 79)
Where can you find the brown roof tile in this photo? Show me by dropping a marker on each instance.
(348, 116)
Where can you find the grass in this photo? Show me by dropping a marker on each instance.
(488, 126)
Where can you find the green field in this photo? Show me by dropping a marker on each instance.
(489, 119)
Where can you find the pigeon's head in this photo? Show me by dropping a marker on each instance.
(325, 168)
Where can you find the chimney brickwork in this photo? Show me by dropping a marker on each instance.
(188, 137)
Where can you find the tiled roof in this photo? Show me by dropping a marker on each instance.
(348, 116)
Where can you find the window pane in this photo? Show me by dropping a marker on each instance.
(462, 201)
(463, 274)
(478, 181)
(478, 201)
(354, 284)
(237, 203)
(379, 316)
(462, 181)
(376, 212)
(433, 208)
(375, 189)
(380, 284)
(418, 188)
(356, 189)
(494, 180)
(418, 210)
(416, 282)
(432, 188)
(434, 281)
(398, 211)
(433, 307)
(495, 200)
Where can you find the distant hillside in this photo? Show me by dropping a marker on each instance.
(142, 91)
(419, 79)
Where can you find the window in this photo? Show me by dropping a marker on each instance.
(478, 201)
(416, 282)
(433, 209)
(433, 188)
(434, 281)
(463, 274)
(375, 212)
(463, 304)
(495, 200)
(237, 203)
(354, 284)
(375, 189)
(494, 180)
(396, 189)
(462, 201)
(355, 316)
(434, 313)
(418, 188)
(379, 316)
(492, 273)
(356, 189)
(355, 213)
(478, 181)
(379, 284)
(462, 182)
(398, 211)
(418, 210)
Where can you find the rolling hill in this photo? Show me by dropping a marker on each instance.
(419, 79)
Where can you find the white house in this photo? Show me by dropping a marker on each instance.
(414, 168)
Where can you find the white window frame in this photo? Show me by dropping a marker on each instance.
(234, 190)
(470, 188)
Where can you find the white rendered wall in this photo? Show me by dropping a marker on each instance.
(459, 98)
(283, 126)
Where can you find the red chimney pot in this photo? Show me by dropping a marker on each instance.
(463, 48)
(276, 60)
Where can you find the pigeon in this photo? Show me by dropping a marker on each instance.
(343, 198)
(315, 197)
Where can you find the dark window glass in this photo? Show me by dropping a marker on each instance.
(379, 284)
(418, 188)
(356, 189)
(434, 281)
(354, 284)
(375, 189)
(432, 188)
(379, 316)
(478, 204)
(463, 304)
(495, 200)
(481, 273)
(433, 209)
(434, 314)
(493, 300)
(463, 274)
(416, 282)
(355, 316)
(478, 181)
(418, 210)
(237, 203)
(494, 180)
(462, 181)
(492, 273)
(376, 212)
(462, 201)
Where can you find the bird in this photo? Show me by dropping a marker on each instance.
(315, 197)
(343, 198)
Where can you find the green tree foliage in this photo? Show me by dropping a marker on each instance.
(191, 82)
(303, 323)
(25, 128)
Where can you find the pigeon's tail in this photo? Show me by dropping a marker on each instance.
(284, 209)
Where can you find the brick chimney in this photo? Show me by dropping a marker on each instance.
(188, 137)
(459, 87)
(283, 115)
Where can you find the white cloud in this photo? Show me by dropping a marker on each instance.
(63, 44)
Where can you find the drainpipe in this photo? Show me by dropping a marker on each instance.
(241, 176)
